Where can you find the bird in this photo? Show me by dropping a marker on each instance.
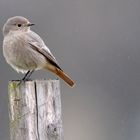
(26, 52)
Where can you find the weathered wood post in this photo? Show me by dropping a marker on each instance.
(35, 110)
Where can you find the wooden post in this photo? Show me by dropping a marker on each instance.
(35, 110)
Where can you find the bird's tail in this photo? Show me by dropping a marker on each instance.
(65, 77)
(60, 73)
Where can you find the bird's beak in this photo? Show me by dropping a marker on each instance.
(30, 24)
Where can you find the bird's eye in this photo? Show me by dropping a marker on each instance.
(19, 25)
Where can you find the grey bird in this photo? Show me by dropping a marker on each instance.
(25, 51)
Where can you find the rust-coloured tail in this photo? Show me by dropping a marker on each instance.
(60, 73)
(65, 77)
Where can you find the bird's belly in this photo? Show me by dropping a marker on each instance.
(19, 58)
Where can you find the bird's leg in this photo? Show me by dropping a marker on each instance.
(28, 75)
(24, 78)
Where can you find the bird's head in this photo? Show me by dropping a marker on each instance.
(16, 23)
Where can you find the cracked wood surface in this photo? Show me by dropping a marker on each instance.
(35, 110)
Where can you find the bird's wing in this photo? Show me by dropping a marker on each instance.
(37, 44)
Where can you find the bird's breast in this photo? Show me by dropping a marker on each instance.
(17, 54)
